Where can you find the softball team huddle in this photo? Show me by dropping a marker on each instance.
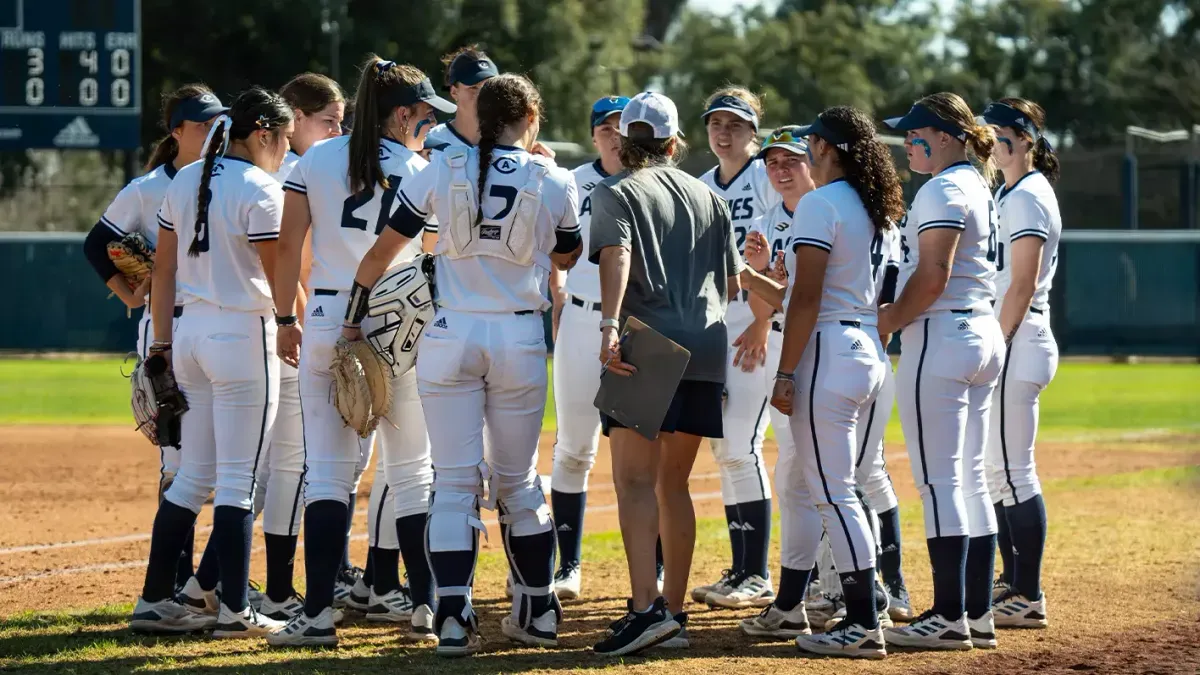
(272, 228)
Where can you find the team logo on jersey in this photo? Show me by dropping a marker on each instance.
(504, 165)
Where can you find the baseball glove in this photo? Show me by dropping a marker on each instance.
(158, 405)
(133, 257)
(145, 406)
(362, 386)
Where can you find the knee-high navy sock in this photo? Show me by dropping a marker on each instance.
(208, 572)
(756, 536)
(858, 588)
(231, 530)
(889, 542)
(948, 557)
(1027, 527)
(1005, 543)
(171, 525)
(281, 565)
(737, 542)
(981, 565)
(386, 563)
(793, 586)
(324, 539)
(368, 575)
(568, 515)
(410, 532)
(184, 570)
(349, 526)
(533, 560)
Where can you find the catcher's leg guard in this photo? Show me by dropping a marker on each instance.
(452, 539)
(528, 533)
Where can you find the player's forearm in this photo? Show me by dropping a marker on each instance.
(798, 326)
(766, 293)
(287, 270)
(162, 301)
(121, 289)
(614, 277)
(1017, 301)
(922, 290)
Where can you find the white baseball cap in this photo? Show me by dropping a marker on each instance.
(653, 109)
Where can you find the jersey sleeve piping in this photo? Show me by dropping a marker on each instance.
(811, 241)
(1031, 232)
(412, 207)
(942, 224)
(164, 224)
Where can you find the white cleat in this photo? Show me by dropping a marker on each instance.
(700, 593)
(746, 591)
(541, 632)
(999, 588)
(255, 595)
(567, 581)
(931, 631)
(824, 608)
(457, 639)
(899, 604)
(885, 621)
(1014, 610)
(351, 591)
(777, 624)
(392, 607)
(302, 631)
(198, 600)
(983, 632)
(168, 616)
(421, 625)
(244, 624)
(847, 640)
(281, 611)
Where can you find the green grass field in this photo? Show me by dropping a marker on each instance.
(1086, 399)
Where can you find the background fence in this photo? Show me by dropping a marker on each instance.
(1116, 292)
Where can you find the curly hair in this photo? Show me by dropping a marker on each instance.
(867, 165)
(1044, 159)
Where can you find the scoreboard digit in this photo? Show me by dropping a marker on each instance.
(71, 74)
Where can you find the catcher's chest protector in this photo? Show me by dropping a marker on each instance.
(512, 237)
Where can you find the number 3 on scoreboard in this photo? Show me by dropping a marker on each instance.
(35, 88)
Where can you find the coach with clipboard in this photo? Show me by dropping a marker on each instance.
(668, 262)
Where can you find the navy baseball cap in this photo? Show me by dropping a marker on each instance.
(734, 105)
(1004, 115)
(919, 117)
(788, 138)
(606, 106)
(197, 109)
(421, 91)
(465, 69)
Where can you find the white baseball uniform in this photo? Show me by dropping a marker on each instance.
(951, 356)
(576, 375)
(739, 454)
(838, 378)
(344, 227)
(224, 346)
(1028, 209)
(135, 209)
(484, 356)
(444, 137)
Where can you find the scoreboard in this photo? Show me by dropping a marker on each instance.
(71, 74)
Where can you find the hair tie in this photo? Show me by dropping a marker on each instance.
(222, 121)
(382, 67)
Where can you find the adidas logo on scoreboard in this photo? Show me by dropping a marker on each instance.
(77, 134)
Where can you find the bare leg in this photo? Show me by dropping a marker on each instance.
(676, 515)
(635, 472)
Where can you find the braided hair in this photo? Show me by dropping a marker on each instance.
(504, 100)
(255, 109)
(867, 165)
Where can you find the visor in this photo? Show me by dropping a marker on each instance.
(818, 128)
(470, 71)
(919, 117)
(421, 91)
(734, 105)
(197, 109)
(1004, 115)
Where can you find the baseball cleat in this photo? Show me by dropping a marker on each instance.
(198, 600)
(931, 631)
(281, 611)
(351, 591)
(457, 639)
(421, 625)
(747, 590)
(775, 623)
(255, 595)
(999, 588)
(244, 624)
(391, 607)
(839, 616)
(899, 604)
(700, 593)
(305, 631)
(845, 639)
(567, 581)
(168, 616)
(824, 608)
(983, 631)
(542, 631)
(1013, 610)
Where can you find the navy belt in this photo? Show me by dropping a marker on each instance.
(776, 326)
(1035, 310)
(853, 324)
(960, 311)
(178, 311)
(324, 291)
(579, 302)
(524, 312)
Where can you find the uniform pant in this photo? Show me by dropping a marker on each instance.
(838, 378)
(739, 454)
(870, 467)
(168, 456)
(226, 367)
(472, 368)
(1030, 365)
(404, 469)
(948, 370)
(279, 486)
(576, 381)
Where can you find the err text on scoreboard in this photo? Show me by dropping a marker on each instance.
(71, 75)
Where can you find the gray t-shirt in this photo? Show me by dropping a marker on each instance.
(682, 252)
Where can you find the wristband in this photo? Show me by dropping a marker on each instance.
(356, 309)
(159, 346)
(780, 375)
(609, 323)
(289, 320)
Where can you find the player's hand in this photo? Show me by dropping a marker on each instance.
(783, 395)
(540, 148)
(560, 301)
(287, 344)
(752, 346)
(352, 334)
(778, 271)
(757, 250)
(886, 320)
(610, 354)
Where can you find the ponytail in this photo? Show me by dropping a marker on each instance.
(372, 112)
(981, 141)
(1045, 161)
(215, 145)
(165, 150)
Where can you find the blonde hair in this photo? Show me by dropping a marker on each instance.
(981, 139)
(751, 99)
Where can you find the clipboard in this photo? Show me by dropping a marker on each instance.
(640, 401)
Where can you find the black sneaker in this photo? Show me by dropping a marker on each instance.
(640, 630)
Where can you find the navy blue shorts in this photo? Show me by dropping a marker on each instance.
(696, 409)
